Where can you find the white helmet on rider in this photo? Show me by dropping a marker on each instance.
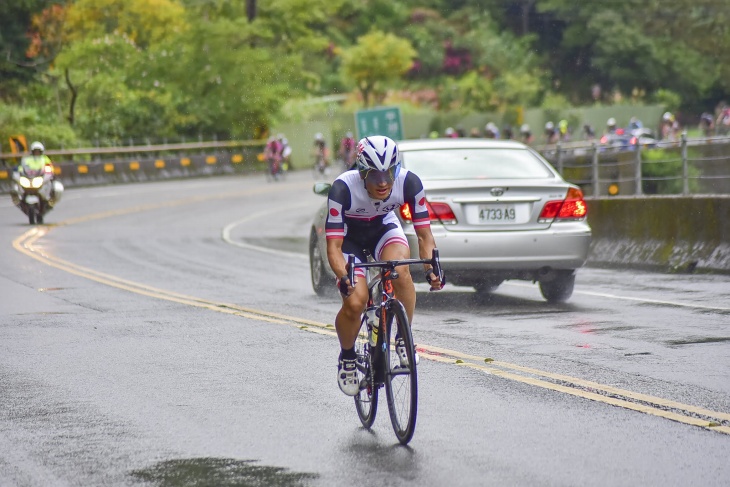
(37, 146)
(378, 154)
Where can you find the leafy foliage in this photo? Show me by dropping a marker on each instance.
(132, 68)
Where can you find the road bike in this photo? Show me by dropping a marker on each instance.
(378, 363)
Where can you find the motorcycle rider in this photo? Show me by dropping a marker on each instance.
(37, 160)
(32, 166)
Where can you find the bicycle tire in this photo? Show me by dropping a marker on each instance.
(366, 400)
(401, 383)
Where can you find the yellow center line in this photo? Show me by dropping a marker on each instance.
(646, 404)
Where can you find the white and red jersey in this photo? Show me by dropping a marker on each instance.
(351, 211)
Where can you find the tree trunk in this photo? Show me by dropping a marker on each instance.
(74, 95)
(526, 7)
(251, 10)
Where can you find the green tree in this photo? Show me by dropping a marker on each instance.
(376, 61)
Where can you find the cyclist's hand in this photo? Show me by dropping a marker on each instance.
(436, 282)
(344, 286)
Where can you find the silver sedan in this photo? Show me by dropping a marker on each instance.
(498, 211)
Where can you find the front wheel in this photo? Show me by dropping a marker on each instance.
(401, 379)
(316, 267)
(366, 401)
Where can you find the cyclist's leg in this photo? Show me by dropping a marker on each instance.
(347, 324)
(393, 245)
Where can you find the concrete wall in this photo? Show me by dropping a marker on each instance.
(671, 233)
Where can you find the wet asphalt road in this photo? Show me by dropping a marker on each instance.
(148, 350)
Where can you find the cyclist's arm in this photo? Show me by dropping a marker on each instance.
(336, 258)
(415, 196)
(339, 200)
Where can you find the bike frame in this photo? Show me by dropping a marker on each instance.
(385, 289)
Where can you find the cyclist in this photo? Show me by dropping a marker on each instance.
(272, 153)
(320, 152)
(361, 215)
(347, 151)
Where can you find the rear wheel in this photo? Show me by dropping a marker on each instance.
(487, 286)
(559, 289)
(366, 401)
(401, 382)
(316, 267)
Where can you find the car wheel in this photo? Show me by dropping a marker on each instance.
(559, 289)
(487, 286)
(316, 266)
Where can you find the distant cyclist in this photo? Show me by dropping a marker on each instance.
(320, 153)
(361, 215)
(347, 151)
(272, 153)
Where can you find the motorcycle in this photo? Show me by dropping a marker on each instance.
(35, 192)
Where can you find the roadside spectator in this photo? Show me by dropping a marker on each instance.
(563, 131)
(450, 133)
(507, 132)
(491, 131)
(551, 135)
(474, 133)
(611, 126)
(588, 132)
(722, 126)
(707, 124)
(526, 134)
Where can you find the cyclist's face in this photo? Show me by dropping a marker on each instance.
(378, 184)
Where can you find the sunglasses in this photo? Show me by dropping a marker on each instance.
(376, 177)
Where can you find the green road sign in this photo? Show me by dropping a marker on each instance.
(379, 121)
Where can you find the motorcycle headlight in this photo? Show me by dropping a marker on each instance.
(24, 182)
(37, 182)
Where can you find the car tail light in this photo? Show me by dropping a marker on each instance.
(604, 139)
(440, 212)
(573, 207)
(634, 141)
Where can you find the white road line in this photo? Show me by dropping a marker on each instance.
(640, 300)
(226, 235)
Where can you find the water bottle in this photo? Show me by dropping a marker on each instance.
(372, 320)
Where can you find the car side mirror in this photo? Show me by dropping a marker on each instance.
(322, 189)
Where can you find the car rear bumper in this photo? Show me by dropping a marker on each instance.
(564, 245)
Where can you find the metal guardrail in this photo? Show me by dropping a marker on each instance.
(679, 167)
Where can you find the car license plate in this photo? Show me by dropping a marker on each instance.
(504, 213)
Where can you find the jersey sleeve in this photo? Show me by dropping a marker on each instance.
(338, 200)
(415, 196)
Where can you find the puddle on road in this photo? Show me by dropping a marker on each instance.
(219, 472)
(694, 341)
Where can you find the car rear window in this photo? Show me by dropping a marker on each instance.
(475, 164)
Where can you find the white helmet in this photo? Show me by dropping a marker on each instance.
(37, 146)
(525, 128)
(611, 122)
(318, 136)
(379, 153)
